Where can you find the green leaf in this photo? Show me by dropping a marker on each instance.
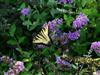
(84, 2)
(98, 26)
(22, 6)
(21, 39)
(65, 18)
(25, 73)
(74, 66)
(22, 18)
(39, 73)
(51, 2)
(28, 66)
(32, 27)
(53, 12)
(42, 2)
(27, 23)
(89, 12)
(27, 59)
(12, 42)
(82, 35)
(12, 30)
(81, 48)
(51, 73)
(68, 19)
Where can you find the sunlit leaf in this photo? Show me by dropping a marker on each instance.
(12, 30)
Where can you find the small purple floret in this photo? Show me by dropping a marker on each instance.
(65, 1)
(25, 11)
(62, 62)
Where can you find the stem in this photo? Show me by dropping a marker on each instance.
(19, 47)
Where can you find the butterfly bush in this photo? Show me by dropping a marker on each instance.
(41, 46)
(7, 60)
(64, 39)
(55, 37)
(56, 34)
(65, 1)
(95, 46)
(80, 21)
(53, 25)
(19, 66)
(62, 62)
(25, 11)
(60, 37)
(16, 68)
(10, 72)
(74, 35)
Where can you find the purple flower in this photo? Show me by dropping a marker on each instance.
(41, 46)
(69, 1)
(10, 72)
(7, 59)
(16, 69)
(64, 1)
(95, 46)
(80, 21)
(59, 37)
(64, 39)
(73, 35)
(19, 66)
(55, 38)
(62, 62)
(56, 35)
(59, 21)
(25, 11)
(53, 25)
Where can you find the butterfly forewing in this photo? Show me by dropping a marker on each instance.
(42, 37)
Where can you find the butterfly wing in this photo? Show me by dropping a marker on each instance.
(42, 37)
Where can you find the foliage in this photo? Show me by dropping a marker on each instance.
(17, 32)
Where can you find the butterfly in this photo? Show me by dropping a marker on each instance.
(42, 37)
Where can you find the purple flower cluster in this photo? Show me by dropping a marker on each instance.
(54, 24)
(64, 39)
(41, 46)
(10, 72)
(55, 37)
(73, 35)
(95, 46)
(7, 60)
(19, 66)
(62, 62)
(59, 37)
(80, 21)
(25, 11)
(16, 69)
(65, 1)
